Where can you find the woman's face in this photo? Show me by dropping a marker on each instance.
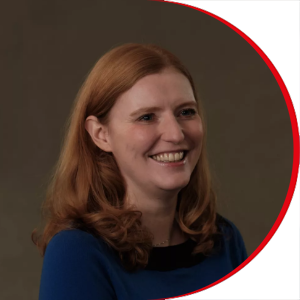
(151, 126)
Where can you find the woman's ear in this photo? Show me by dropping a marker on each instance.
(98, 133)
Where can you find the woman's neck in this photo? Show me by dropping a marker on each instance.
(158, 215)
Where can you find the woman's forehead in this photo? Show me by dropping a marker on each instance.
(169, 87)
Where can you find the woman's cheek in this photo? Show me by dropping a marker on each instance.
(143, 133)
(198, 127)
(194, 130)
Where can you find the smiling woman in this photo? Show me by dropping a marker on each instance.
(130, 206)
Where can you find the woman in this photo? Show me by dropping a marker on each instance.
(130, 213)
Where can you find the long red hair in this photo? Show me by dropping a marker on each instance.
(87, 190)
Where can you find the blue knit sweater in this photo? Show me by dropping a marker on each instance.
(78, 266)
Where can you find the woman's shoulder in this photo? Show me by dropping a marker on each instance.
(76, 263)
(75, 243)
(225, 225)
(232, 240)
(73, 237)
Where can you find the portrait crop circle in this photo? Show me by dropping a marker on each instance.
(296, 140)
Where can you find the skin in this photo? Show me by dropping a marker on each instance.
(136, 130)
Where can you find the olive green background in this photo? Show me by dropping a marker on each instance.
(47, 49)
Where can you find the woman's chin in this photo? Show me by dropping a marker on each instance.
(173, 185)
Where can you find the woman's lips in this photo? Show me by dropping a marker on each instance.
(169, 156)
(176, 159)
(170, 164)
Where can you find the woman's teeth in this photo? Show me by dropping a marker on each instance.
(168, 157)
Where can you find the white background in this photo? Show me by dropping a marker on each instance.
(274, 27)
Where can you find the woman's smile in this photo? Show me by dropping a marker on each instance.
(170, 159)
(178, 163)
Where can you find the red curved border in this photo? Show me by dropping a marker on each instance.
(296, 154)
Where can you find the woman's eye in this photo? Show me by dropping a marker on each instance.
(147, 117)
(188, 112)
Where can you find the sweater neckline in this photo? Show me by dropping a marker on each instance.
(174, 257)
(189, 241)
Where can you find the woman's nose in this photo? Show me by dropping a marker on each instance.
(171, 130)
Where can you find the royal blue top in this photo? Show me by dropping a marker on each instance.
(79, 266)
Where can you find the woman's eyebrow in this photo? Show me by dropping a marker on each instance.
(155, 108)
(188, 103)
(145, 110)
